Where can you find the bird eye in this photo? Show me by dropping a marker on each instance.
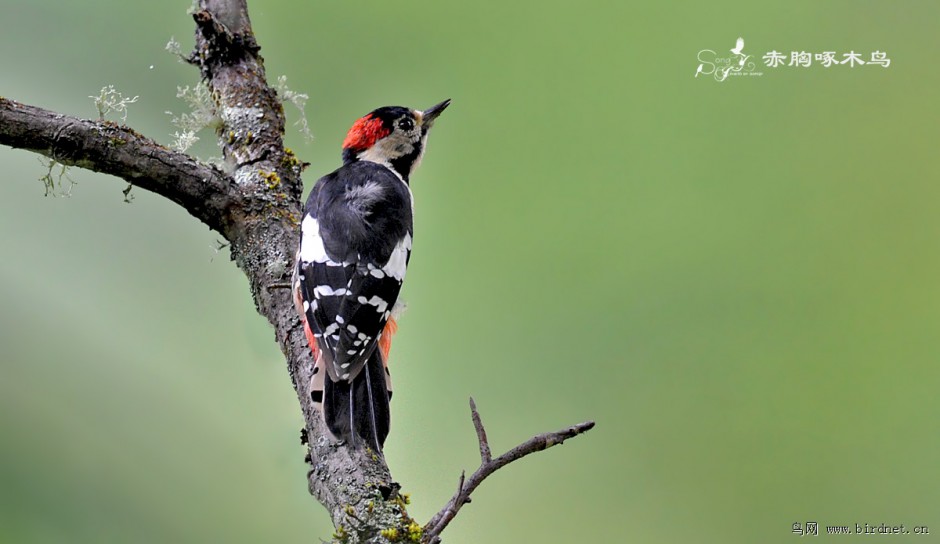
(406, 124)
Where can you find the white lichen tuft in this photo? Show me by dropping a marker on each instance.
(110, 100)
(183, 140)
(202, 114)
(52, 179)
(175, 48)
(299, 100)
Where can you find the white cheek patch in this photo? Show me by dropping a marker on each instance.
(311, 245)
(424, 147)
(395, 145)
(398, 263)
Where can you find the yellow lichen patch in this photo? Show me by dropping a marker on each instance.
(283, 214)
(410, 533)
(340, 535)
(414, 532)
(290, 160)
(271, 179)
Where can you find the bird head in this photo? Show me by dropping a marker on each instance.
(393, 136)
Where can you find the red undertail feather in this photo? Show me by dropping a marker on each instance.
(385, 342)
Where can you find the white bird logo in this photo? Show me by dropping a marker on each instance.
(699, 71)
(738, 46)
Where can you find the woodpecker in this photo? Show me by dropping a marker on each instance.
(355, 244)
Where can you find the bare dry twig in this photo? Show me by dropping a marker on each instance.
(485, 455)
(488, 466)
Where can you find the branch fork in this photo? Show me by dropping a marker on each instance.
(488, 466)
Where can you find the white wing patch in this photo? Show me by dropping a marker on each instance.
(398, 262)
(327, 291)
(380, 304)
(311, 246)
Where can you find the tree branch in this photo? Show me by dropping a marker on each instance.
(105, 147)
(488, 466)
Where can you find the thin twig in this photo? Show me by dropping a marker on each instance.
(485, 455)
(463, 477)
(439, 522)
(459, 497)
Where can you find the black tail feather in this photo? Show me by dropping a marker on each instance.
(359, 412)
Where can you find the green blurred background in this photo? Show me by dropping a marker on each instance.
(737, 280)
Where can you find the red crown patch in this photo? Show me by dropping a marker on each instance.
(364, 133)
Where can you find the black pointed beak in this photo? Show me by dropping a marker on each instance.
(429, 115)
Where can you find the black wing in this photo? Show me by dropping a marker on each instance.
(355, 247)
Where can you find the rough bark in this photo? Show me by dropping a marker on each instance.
(256, 206)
